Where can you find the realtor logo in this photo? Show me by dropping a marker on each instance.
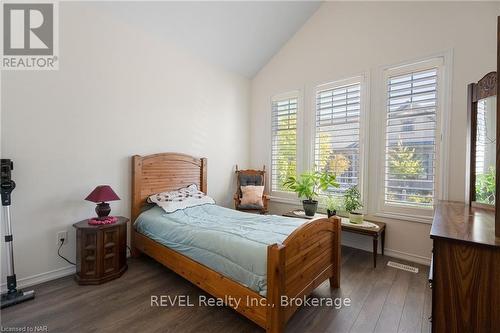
(29, 36)
(28, 29)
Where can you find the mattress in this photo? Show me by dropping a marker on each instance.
(230, 242)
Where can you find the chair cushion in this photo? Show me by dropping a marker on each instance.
(252, 196)
(256, 180)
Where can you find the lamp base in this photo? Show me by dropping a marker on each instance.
(102, 210)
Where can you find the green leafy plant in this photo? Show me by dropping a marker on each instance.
(308, 184)
(352, 199)
(485, 187)
(334, 203)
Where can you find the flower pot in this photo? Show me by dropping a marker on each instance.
(356, 218)
(310, 207)
(331, 213)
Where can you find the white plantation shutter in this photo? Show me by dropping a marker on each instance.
(284, 141)
(411, 136)
(337, 140)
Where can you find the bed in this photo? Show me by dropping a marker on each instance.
(308, 254)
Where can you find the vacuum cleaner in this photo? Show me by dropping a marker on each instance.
(7, 185)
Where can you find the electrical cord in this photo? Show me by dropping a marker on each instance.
(60, 255)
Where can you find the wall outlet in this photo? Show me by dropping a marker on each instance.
(62, 235)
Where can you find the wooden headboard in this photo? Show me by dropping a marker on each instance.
(164, 172)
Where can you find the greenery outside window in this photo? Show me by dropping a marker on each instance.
(284, 110)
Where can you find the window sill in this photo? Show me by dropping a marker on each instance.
(376, 217)
(383, 217)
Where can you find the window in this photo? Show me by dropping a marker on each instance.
(411, 138)
(405, 172)
(337, 144)
(284, 140)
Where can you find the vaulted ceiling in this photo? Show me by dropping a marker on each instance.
(239, 36)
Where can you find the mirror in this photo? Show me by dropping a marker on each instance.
(486, 151)
(482, 130)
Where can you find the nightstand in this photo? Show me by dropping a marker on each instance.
(101, 251)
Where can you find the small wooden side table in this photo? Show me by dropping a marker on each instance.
(101, 251)
(355, 229)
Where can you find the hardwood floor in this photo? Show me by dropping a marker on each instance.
(384, 299)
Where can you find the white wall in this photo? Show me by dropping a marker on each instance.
(118, 92)
(344, 39)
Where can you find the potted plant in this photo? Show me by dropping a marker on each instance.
(333, 205)
(307, 185)
(352, 202)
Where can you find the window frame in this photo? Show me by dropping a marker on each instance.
(286, 196)
(362, 79)
(418, 214)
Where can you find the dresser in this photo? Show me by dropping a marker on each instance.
(465, 272)
(100, 251)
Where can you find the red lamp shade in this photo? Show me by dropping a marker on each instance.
(102, 193)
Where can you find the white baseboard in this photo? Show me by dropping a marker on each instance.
(408, 256)
(392, 253)
(42, 277)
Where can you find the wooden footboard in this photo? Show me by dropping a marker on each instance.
(309, 256)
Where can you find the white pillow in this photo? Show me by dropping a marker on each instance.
(182, 198)
(251, 195)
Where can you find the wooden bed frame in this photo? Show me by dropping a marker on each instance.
(309, 256)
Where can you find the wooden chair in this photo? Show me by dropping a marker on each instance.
(251, 177)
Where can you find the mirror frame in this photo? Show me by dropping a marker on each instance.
(484, 88)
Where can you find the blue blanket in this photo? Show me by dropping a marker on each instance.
(230, 242)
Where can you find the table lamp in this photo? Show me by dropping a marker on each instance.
(100, 195)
